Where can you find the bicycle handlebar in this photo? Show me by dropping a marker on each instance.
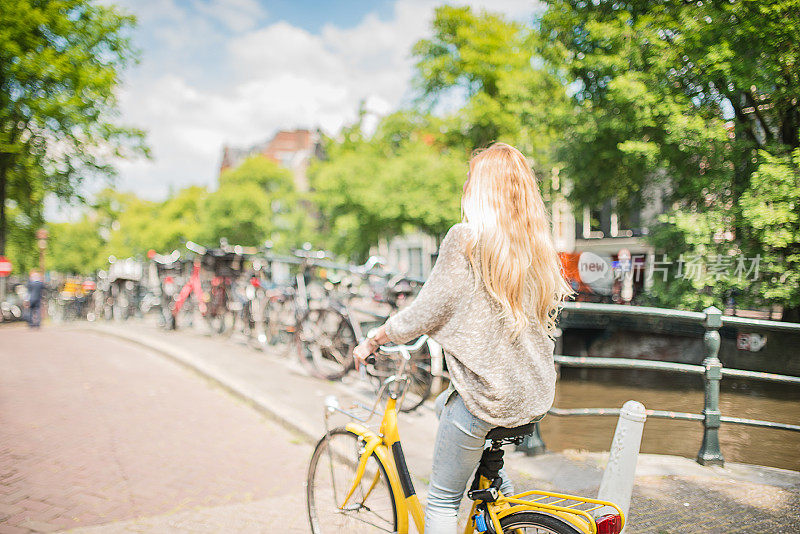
(405, 350)
(164, 259)
(194, 247)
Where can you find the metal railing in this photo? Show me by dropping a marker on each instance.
(711, 370)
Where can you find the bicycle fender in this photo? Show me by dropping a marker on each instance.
(373, 445)
(361, 431)
(572, 520)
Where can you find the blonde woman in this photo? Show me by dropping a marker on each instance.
(491, 302)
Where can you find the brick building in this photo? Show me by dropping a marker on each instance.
(293, 149)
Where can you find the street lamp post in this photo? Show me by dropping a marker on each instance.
(41, 237)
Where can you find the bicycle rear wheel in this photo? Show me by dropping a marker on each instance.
(535, 523)
(420, 380)
(327, 338)
(331, 473)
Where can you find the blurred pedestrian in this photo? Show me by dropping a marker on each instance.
(35, 291)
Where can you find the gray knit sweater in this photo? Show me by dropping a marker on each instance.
(502, 380)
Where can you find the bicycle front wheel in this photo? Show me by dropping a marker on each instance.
(331, 474)
(535, 523)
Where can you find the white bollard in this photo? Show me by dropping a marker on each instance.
(618, 478)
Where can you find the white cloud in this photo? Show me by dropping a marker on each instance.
(236, 15)
(273, 77)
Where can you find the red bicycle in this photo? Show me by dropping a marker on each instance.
(194, 287)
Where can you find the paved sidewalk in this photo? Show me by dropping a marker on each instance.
(672, 494)
(97, 431)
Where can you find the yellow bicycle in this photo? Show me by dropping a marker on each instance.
(358, 480)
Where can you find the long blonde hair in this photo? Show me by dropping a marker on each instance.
(519, 265)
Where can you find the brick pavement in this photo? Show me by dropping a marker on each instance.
(95, 431)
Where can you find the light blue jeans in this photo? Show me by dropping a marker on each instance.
(460, 441)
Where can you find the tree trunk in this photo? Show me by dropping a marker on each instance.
(3, 170)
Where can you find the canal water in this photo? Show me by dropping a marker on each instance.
(596, 388)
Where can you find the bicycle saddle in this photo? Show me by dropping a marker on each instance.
(502, 432)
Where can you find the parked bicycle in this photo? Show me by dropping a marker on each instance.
(311, 320)
(249, 296)
(226, 264)
(419, 370)
(329, 330)
(168, 270)
(190, 300)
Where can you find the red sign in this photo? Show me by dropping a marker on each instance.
(5, 266)
(89, 285)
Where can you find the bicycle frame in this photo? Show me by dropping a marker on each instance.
(386, 446)
(191, 286)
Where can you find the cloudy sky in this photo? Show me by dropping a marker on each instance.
(235, 71)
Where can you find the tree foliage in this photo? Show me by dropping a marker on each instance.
(255, 202)
(262, 172)
(693, 98)
(399, 179)
(60, 62)
(76, 247)
(510, 94)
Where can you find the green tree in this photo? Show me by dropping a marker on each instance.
(135, 226)
(402, 178)
(771, 207)
(124, 225)
(692, 99)
(76, 248)
(239, 213)
(60, 62)
(491, 62)
(258, 201)
(21, 238)
(262, 172)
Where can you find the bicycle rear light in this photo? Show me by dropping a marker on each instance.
(609, 524)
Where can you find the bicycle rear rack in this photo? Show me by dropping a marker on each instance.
(559, 504)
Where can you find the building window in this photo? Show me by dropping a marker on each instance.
(627, 222)
(415, 261)
(592, 223)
